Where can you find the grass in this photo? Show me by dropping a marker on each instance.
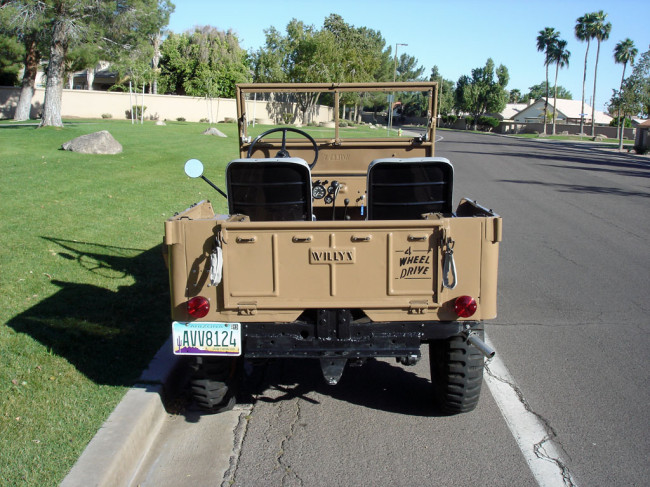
(83, 290)
(355, 131)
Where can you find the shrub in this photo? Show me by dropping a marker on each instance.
(489, 123)
(287, 117)
(343, 124)
(627, 123)
(107, 115)
(204, 120)
(640, 149)
(137, 110)
(448, 119)
(228, 120)
(486, 124)
(180, 119)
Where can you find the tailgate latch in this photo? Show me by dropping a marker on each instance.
(248, 309)
(418, 307)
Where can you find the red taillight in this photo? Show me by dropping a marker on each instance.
(198, 307)
(465, 306)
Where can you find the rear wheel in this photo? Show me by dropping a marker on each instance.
(213, 383)
(456, 373)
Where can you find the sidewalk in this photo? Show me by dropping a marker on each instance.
(113, 455)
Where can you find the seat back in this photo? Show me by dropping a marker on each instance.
(275, 189)
(404, 189)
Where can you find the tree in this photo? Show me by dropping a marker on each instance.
(131, 44)
(484, 91)
(539, 91)
(560, 56)
(338, 52)
(624, 53)
(584, 31)
(25, 21)
(109, 25)
(546, 40)
(407, 68)
(515, 96)
(303, 55)
(445, 92)
(410, 104)
(626, 102)
(204, 62)
(601, 31)
(11, 57)
(356, 54)
(638, 84)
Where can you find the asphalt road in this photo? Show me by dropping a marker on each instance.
(574, 314)
(572, 329)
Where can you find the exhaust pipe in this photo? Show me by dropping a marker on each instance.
(481, 346)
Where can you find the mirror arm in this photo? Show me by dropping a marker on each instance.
(214, 186)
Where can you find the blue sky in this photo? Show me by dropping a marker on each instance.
(457, 36)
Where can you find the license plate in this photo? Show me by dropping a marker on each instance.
(206, 338)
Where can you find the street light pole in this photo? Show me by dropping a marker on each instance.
(392, 101)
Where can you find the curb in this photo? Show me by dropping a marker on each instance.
(115, 452)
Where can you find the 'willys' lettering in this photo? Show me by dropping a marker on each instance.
(331, 256)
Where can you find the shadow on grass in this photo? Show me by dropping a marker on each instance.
(109, 336)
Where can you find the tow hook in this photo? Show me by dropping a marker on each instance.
(481, 346)
(332, 369)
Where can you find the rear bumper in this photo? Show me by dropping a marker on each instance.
(338, 337)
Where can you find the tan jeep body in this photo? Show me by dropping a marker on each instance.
(336, 284)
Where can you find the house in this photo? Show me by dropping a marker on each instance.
(511, 109)
(99, 78)
(568, 112)
(642, 141)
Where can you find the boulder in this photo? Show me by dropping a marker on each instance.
(96, 143)
(214, 131)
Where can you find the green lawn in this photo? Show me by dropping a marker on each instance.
(83, 290)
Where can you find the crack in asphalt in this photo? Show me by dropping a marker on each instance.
(551, 435)
(288, 472)
(238, 439)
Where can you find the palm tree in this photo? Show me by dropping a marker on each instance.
(624, 53)
(546, 39)
(601, 30)
(584, 32)
(560, 56)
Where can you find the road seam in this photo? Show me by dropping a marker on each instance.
(536, 438)
(238, 439)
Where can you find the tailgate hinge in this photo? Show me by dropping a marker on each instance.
(494, 232)
(247, 308)
(172, 232)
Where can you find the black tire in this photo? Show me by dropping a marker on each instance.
(213, 383)
(456, 374)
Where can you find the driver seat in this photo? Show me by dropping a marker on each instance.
(273, 189)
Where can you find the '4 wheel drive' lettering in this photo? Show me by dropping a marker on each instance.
(415, 264)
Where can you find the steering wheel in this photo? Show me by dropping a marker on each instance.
(283, 152)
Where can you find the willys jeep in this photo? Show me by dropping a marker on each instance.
(340, 244)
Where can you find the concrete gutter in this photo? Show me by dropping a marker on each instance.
(116, 451)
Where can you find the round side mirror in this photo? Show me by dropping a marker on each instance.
(194, 168)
